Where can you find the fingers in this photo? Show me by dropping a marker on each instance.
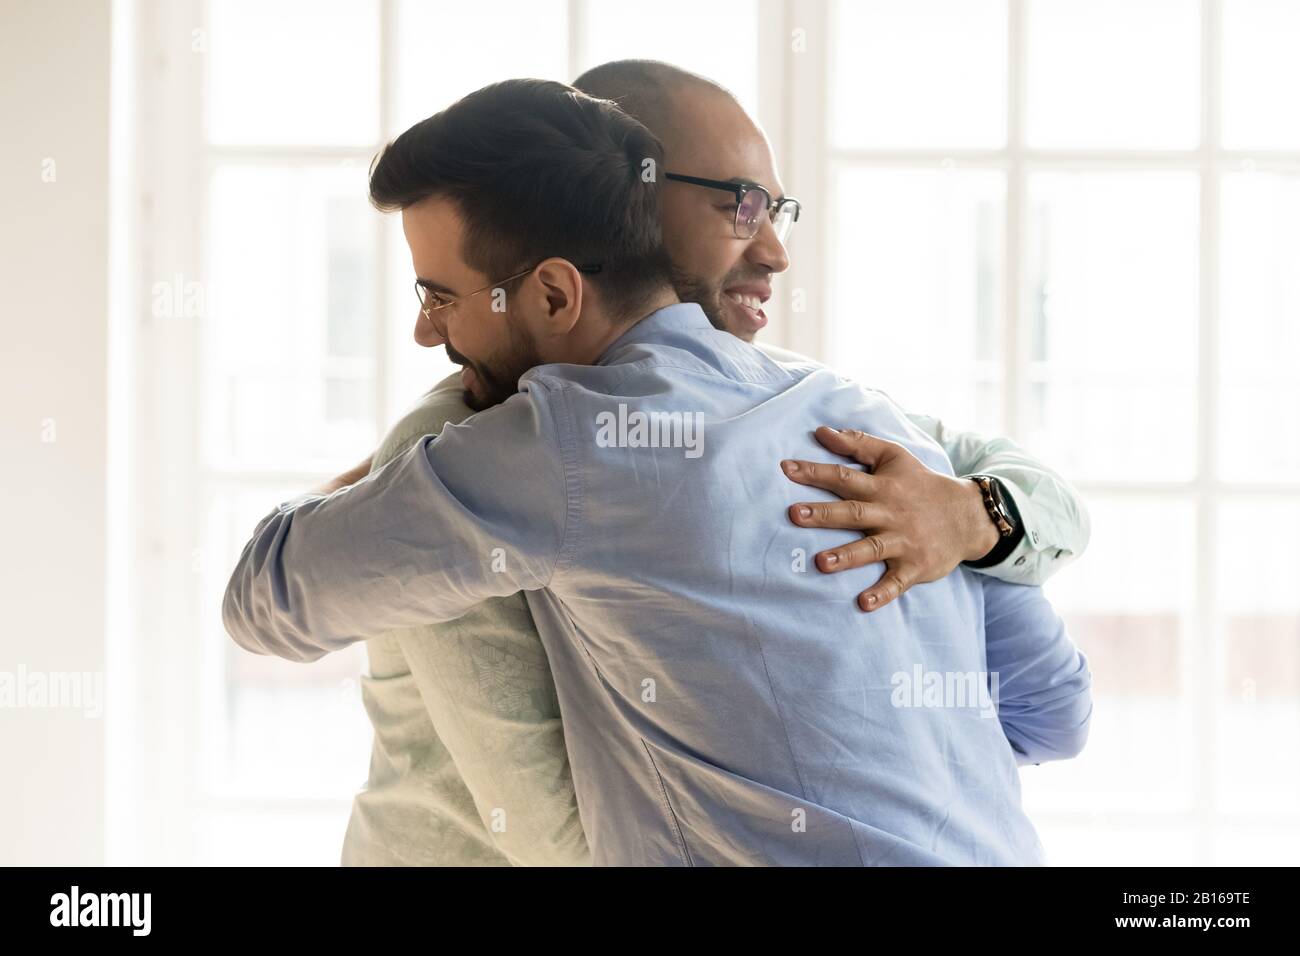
(891, 585)
(851, 515)
(870, 550)
(855, 512)
(863, 448)
(856, 554)
(844, 481)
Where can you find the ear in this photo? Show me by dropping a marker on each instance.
(561, 286)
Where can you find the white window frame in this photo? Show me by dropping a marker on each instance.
(159, 800)
(814, 157)
(153, 809)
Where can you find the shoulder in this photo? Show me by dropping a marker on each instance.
(442, 405)
(523, 427)
(785, 356)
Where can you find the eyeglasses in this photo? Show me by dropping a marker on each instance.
(432, 300)
(752, 200)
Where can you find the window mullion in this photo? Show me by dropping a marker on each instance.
(383, 246)
(809, 327)
(1013, 351)
(577, 53)
(1205, 625)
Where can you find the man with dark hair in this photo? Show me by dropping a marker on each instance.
(517, 209)
(467, 722)
(720, 704)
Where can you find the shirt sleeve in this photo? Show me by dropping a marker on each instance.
(1052, 513)
(480, 511)
(487, 688)
(1043, 688)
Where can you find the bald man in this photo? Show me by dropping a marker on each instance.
(469, 765)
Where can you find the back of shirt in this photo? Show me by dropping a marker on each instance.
(732, 702)
(723, 701)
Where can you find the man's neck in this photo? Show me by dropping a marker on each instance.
(605, 331)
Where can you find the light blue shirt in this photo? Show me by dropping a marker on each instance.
(723, 701)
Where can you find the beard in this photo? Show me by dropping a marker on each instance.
(707, 296)
(711, 298)
(498, 378)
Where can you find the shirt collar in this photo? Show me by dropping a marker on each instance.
(659, 324)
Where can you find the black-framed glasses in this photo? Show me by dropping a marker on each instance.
(752, 201)
(431, 300)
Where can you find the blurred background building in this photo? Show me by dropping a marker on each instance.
(1074, 222)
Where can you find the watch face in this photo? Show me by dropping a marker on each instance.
(1000, 512)
(1002, 507)
(995, 490)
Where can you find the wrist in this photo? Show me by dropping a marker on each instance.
(982, 535)
(1003, 514)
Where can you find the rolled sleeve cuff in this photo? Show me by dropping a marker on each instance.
(1023, 557)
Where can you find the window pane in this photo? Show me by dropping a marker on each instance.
(919, 73)
(1102, 842)
(715, 38)
(916, 288)
(445, 50)
(271, 728)
(1111, 315)
(1113, 74)
(1261, 74)
(289, 350)
(294, 72)
(305, 837)
(1265, 844)
(1259, 687)
(1131, 615)
(1259, 348)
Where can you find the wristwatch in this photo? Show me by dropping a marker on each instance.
(1002, 512)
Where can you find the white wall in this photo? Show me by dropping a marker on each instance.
(54, 107)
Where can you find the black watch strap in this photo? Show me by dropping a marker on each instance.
(1001, 508)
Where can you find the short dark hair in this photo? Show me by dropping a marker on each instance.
(538, 169)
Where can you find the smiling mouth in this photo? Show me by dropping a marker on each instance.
(748, 301)
(750, 307)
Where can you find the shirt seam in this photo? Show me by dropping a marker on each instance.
(567, 434)
(662, 788)
(785, 729)
(663, 794)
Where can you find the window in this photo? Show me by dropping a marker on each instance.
(1075, 223)
(1072, 223)
(286, 352)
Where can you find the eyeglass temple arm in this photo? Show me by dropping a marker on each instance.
(737, 188)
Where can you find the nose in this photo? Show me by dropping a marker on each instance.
(766, 250)
(427, 332)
